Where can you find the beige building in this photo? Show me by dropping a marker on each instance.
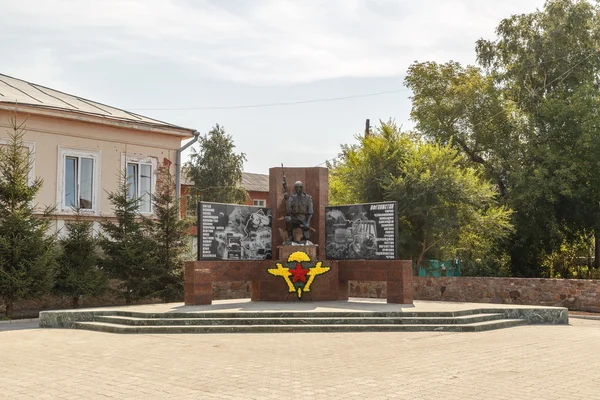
(79, 147)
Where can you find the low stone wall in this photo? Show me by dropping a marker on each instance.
(575, 294)
(31, 308)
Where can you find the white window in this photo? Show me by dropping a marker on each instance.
(78, 180)
(31, 148)
(260, 203)
(141, 180)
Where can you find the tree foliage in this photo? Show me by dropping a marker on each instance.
(461, 106)
(27, 250)
(78, 271)
(128, 250)
(445, 209)
(169, 234)
(365, 168)
(529, 116)
(216, 170)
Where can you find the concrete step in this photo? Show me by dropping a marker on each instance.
(163, 321)
(472, 327)
(305, 314)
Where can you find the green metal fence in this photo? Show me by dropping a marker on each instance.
(440, 268)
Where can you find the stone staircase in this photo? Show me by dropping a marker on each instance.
(257, 322)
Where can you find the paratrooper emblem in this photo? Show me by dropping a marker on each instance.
(298, 278)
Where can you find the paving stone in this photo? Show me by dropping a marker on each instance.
(525, 362)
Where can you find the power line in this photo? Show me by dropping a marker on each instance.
(561, 77)
(288, 103)
(322, 100)
(565, 75)
(326, 161)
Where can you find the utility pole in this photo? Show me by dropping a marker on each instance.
(178, 169)
(368, 127)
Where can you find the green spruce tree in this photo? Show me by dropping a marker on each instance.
(27, 251)
(78, 264)
(127, 246)
(170, 235)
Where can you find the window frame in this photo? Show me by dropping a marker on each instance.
(142, 160)
(31, 147)
(262, 201)
(95, 155)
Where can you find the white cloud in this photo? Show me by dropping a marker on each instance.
(264, 41)
(43, 64)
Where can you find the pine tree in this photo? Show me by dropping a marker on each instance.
(27, 251)
(78, 264)
(169, 234)
(128, 249)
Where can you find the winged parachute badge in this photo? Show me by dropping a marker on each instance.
(296, 276)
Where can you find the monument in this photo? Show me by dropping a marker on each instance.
(298, 214)
(300, 269)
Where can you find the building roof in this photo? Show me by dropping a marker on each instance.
(19, 92)
(250, 182)
(255, 182)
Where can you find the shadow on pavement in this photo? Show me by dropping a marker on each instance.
(19, 325)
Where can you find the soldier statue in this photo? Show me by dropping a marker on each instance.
(298, 212)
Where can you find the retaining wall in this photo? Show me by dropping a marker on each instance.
(575, 294)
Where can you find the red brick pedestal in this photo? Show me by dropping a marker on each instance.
(200, 275)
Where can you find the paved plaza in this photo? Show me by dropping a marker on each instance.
(527, 362)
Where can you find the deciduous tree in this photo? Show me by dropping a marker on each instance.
(445, 209)
(216, 170)
(529, 116)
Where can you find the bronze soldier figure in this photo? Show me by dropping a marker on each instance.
(299, 212)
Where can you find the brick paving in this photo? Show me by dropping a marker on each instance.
(528, 362)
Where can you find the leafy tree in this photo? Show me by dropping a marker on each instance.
(366, 167)
(547, 62)
(461, 106)
(567, 261)
(78, 264)
(129, 255)
(27, 250)
(216, 170)
(169, 234)
(444, 208)
(529, 117)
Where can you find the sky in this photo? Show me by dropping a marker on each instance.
(196, 63)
